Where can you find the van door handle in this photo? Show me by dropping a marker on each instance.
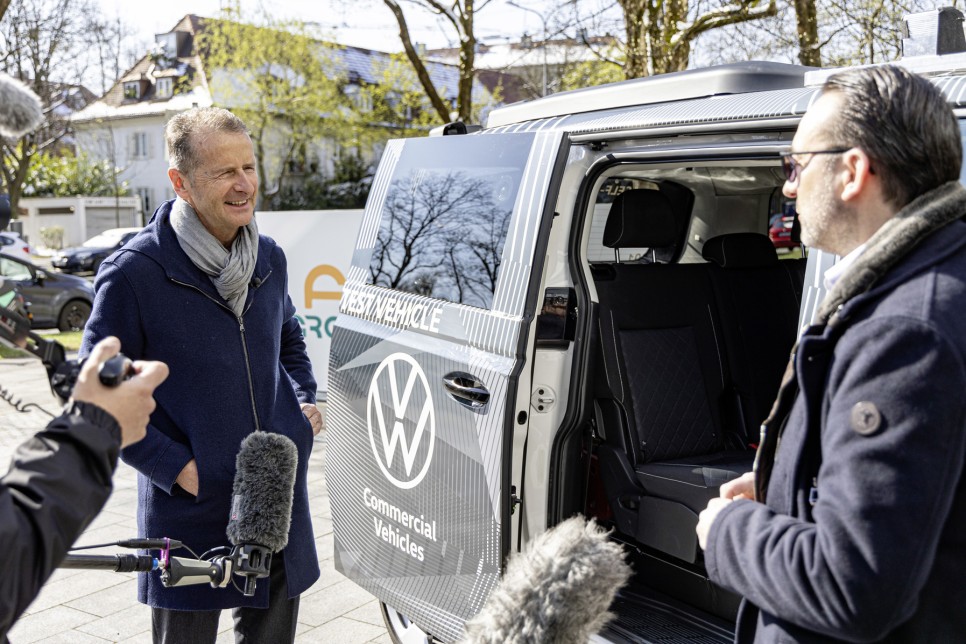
(466, 389)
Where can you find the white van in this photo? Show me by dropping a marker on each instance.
(576, 309)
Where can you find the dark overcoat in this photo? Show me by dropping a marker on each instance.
(863, 536)
(229, 376)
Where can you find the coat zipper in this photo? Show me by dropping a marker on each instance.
(248, 368)
(241, 329)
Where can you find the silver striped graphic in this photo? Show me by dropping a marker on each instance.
(369, 229)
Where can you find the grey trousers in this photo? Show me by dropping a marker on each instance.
(252, 625)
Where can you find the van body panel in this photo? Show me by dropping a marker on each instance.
(422, 368)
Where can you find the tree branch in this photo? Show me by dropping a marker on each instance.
(421, 72)
(729, 15)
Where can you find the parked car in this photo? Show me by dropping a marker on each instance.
(55, 301)
(462, 422)
(13, 245)
(780, 232)
(87, 257)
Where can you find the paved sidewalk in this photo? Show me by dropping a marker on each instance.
(88, 607)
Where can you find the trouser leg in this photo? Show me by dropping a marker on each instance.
(275, 624)
(184, 626)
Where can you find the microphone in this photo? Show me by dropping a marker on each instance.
(261, 503)
(558, 589)
(20, 108)
(116, 563)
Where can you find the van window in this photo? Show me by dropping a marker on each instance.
(444, 220)
(728, 197)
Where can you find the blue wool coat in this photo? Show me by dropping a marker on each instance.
(228, 377)
(863, 537)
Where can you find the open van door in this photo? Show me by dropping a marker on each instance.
(423, 367)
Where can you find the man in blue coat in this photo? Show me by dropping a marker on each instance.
(202, 291)
(853, 525)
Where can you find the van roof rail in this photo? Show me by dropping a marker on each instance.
(736, 78)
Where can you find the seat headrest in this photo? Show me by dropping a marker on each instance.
(740, 250)
(640, 219)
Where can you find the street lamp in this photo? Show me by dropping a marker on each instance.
(543, 42)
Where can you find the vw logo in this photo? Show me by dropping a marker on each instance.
(401, 419)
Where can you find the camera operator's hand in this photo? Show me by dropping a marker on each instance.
(131, 402)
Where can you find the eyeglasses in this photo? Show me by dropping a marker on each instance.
(793, 169)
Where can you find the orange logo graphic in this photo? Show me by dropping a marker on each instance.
(322, 270)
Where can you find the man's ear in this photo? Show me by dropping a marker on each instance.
(179, 182)
(858, 175)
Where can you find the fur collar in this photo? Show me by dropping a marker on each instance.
(892, 242)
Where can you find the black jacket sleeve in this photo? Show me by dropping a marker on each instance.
(58, 481)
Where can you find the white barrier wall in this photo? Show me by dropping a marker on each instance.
(318, 245)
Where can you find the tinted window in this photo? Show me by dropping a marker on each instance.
(445, 217)
(14, 270)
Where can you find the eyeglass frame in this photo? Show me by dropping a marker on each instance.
(793, 169)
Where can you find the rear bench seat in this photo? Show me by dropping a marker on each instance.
(679, 400)
(758, 297)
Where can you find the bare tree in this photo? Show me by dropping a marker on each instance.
(459, 14)
(660, 34)
(47, 44)
(865, 31)
(847, 33)
(417, 236)
(806, 20)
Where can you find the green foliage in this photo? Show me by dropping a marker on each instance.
(397, 103)
(67, 175)
(348, 187)
(284, 84)
(397, 106)
(52, 237)
(590, 73)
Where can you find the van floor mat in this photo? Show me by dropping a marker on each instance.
(641, 619)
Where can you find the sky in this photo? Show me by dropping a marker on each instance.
(362, 23)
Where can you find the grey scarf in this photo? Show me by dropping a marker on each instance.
(230, 271)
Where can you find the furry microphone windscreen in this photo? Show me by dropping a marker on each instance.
(20, 108)
(558, 589)
(261, 504)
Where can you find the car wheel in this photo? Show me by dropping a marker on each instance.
(96, 265)
(74, 316)
(401, 630)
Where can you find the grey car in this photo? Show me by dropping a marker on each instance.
(55, 300)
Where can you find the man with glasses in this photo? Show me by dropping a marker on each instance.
(853, 525)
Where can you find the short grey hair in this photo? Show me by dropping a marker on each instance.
(186, 131)
(903, 122)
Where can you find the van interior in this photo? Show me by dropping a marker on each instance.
(694, 311)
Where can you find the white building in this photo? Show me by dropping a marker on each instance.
(536, 65)
(126, 125)
(80, 218)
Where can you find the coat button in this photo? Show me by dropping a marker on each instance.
(866, 418)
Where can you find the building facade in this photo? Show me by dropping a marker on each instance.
(126, 125)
